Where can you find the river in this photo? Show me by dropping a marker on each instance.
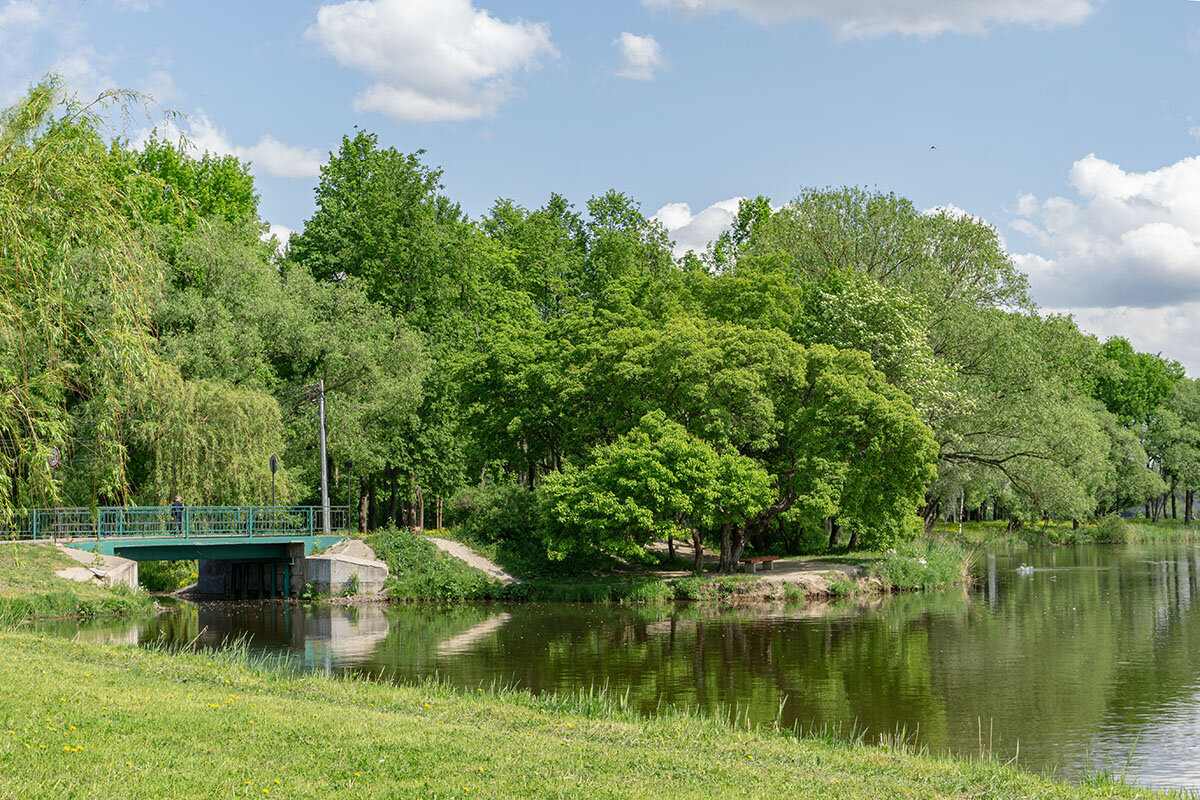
(1091, 662)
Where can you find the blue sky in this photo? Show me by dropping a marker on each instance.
(1071, 125)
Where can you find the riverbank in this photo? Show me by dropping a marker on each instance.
(420, 571)
(31, 589)
(105, 721)
(1111, 530)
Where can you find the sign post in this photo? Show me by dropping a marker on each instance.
(53, 459)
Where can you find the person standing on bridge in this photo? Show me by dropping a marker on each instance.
(177, 515)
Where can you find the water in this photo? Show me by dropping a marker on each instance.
(1092, 662)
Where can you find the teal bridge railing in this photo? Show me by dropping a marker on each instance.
(188, 522)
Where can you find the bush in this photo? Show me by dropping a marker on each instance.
(1110, 529)
(418, 570)
(924, 564)
(166, 576)
(497, 512)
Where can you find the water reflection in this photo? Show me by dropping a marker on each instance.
(1095, 650)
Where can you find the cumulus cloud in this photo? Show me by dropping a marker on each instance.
(863, 18)
(282, 234)
(85, 72)
(1127, 239)
(432, 60)
(1173, 331)
(268, 155)
(18, 15)
(640, 56)
(694, 231)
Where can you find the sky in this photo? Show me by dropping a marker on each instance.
(1072, 126)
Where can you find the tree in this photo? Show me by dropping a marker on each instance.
(655, 481)
(75, 349)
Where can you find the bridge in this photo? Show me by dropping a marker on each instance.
(244, 551)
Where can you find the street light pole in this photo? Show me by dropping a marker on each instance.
(324, 461)
(349, 466)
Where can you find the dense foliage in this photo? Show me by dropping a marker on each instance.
(838, 371)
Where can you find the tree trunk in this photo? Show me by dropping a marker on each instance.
(1074, 524)
(372, 507)
(835, 531)
(698, 548)
(420, 526)
(394, 504)
(853, 539)
(671, 546)
(737, 545)
(362, 505)
(1173, 488)
(1187, 506)
(726, 565)
(438, 513)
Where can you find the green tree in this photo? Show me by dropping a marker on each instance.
(655, 481)
(75, 349)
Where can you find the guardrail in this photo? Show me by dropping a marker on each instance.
(188, 522)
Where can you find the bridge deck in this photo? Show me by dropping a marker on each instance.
(187, 522)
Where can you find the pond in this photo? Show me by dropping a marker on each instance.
(1089, 662)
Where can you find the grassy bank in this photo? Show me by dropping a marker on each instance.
(1106, 531)
(29, 589)
(420, 571)
(79, 720)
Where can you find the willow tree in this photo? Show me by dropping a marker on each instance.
(74, 347)
(211, 443)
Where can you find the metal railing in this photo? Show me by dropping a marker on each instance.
(188, 522)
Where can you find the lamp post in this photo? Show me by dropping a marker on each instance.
(274, 466)
(349, 466)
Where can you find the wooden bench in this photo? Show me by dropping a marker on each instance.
(752, 564)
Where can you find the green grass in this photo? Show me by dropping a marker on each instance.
(419, 570)
(29, 589)
(1032, 534)
(83, 720)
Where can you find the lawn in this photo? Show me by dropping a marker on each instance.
(83, 721)
(29, 589)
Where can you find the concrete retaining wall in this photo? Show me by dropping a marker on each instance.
(331, 574)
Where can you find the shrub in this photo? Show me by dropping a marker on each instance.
(924, 564)
(166, 576)
(497, 512)
(1110, 529)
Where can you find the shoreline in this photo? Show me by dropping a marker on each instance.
(131, 722)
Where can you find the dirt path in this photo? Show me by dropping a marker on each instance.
(464, 553)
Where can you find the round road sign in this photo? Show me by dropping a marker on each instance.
(54, 458)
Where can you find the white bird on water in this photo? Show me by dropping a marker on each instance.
(1024, 569)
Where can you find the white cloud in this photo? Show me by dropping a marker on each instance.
(863, 18)
(84, 70)
(640, 56)
(19, 14)
(268, 155)
(282, 234)
(433, 60)
(161, 86)
(137, 6)
(694, 231)
(1128, 239)
(1173, 331)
